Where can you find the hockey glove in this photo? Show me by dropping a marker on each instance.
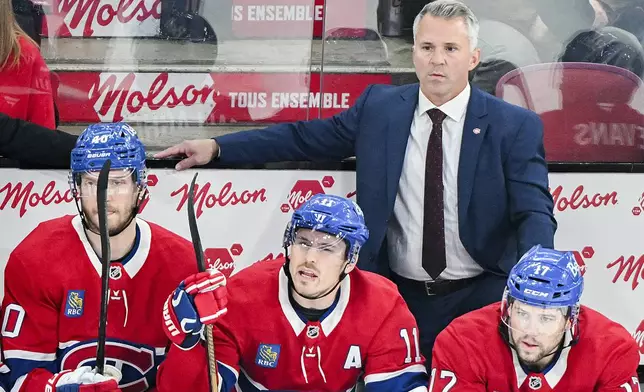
(85, 379)
(200, 299)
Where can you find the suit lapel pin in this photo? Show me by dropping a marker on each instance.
(476, 131)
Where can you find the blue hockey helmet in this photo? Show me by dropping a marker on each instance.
(117, 142)
(545, 278)
(334, 215)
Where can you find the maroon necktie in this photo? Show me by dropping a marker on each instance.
(434, 221)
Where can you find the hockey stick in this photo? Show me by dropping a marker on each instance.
(196, 242)
(105, 259)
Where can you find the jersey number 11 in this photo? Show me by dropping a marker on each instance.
(404, 334)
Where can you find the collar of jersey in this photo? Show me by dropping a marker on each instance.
(137, 259)
(132, 251)
(553, 373)
(329, 320)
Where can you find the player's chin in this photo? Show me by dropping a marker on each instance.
(306, 286)
(116, 223)
(530, 357)
(115, 229)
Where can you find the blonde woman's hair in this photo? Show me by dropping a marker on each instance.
(10, 35)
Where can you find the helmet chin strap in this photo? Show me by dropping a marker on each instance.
(310, 297)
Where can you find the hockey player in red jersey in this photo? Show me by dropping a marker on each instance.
(537, 339)
(308, 322)
(53, 286)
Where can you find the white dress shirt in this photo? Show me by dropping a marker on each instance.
(405, 231)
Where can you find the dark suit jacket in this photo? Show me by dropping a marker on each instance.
(504, 205)
(33, 144)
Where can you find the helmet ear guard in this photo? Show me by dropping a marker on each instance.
(289, 235)
(353, 254)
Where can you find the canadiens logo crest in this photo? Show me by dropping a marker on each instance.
(312, 331)
(115, 272)
(75, 303)
(137, 363)
(268, 355)
(534, 382)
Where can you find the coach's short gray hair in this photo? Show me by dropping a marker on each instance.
(450, 9)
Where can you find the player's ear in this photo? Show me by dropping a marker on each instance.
(349, 267)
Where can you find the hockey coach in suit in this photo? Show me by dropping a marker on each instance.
(453, 182)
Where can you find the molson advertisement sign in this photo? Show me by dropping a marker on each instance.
(236, 18)
(207, 97)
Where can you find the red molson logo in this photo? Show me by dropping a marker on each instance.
(103, 13)
(580, 199)
(121, 97)
(22, 196)
(629, 267)
(303, 190)
(223, 259)
(222, 198)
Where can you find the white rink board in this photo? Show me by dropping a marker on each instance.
(241, 220)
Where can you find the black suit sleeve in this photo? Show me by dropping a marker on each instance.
(33, 144)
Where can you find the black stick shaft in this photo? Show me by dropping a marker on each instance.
(201, 265)
(105, 259)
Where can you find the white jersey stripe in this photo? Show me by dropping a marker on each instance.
(64, 345)
(29, 355)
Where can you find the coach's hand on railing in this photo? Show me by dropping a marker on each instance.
(197, 152)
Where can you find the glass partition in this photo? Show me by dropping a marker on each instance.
(181, 69)
(578, 64)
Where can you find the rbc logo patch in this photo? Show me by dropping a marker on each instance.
(268, 355)
(74, 304)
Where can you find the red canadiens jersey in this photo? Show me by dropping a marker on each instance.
(25, 90)
(262, 343)
(470, 355)
(52, 303)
